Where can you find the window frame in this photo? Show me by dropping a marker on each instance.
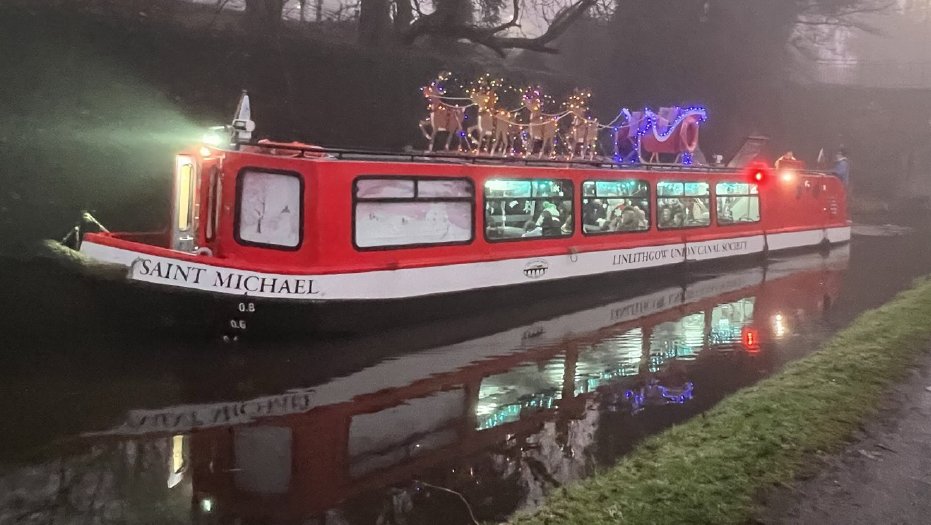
(414, 178)
(583, 197)
(711, 202)
(717, 219)
(214, 204)
(531, 180)
(237, 215)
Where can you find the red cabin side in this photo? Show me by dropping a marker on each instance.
(792, 203)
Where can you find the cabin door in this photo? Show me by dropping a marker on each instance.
(213, 195)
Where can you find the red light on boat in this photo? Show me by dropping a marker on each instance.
(757, 173)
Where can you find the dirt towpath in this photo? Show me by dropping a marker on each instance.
(882, 477)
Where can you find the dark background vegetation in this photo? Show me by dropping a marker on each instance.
(97, 95)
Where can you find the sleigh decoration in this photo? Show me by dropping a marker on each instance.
(633, 125)
(674, 131)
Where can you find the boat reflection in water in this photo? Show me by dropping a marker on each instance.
(500, 420)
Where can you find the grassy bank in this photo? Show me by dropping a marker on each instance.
(710, 469)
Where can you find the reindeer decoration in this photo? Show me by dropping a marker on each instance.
(493, 130)
(443, 117)
(541, 127)
(583, 130)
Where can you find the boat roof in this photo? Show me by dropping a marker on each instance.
(309, 152)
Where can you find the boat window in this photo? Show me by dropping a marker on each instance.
(384, 189)
(444, 188)
(185, 193)
(270, 209)
(683, 204)
(614, 206)
(404, 212)
(527, 209)
(738, 202)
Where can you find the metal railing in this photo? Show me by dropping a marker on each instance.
(348, 154)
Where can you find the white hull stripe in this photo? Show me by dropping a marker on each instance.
(418, 282)
(782, 241)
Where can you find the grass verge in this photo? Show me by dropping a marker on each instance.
(710, 469)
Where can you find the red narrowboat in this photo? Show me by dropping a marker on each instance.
(259, 224)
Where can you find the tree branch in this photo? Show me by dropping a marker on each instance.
(434, 24)
(513, 22)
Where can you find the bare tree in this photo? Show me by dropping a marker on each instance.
(374, 22)
(457, 20)
(303, 10)
(264, 13)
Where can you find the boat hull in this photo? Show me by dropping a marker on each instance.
(119, 298)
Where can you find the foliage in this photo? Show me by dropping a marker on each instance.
(710, 469)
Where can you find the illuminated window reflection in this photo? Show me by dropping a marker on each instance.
(609, 360)
(504, 397)
(177, 461)
(727, 321)
(682, 339)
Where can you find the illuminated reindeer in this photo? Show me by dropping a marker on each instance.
(492, 130)
(583, 130)
(541, 128)
(443, 117)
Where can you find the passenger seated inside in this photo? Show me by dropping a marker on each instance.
(548, 224)
(698, 213)
(624, 216)
(627, 218)
(594, 215)
(634, 219)
(567, 226)
(506, 218)
(666, 217)
(685, 212)
(678, 220)
(725, 214)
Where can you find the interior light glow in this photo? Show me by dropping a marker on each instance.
(504, 185)
(206, 504)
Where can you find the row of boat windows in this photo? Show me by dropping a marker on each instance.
(393, 212)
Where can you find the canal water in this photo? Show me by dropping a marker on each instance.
(103, 426)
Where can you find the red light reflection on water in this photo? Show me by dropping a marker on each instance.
(750, 339)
